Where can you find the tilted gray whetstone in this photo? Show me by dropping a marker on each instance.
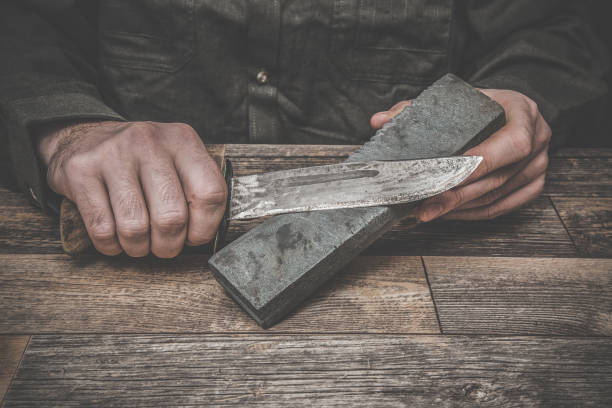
(273, 267)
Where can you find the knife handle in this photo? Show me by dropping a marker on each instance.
(75, 238)
(72, 229)
(219, 241)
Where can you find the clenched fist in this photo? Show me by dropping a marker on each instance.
(513, 169)
(140, 186)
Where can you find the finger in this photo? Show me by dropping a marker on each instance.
(167, 206)
(205, 191)
(510, 144)
(92, 201)
(503, 206)
(379, 119)
(543, 134)
(536, 167)
(130, 209)
(459, 196)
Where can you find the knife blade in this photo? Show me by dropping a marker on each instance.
(345, 185)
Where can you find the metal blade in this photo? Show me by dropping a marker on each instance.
(346, 185)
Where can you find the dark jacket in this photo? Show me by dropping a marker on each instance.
(290, 71)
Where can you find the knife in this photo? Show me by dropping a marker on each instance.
(344, 185)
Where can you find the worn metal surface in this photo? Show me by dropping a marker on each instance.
(346, 185)
(276, 265)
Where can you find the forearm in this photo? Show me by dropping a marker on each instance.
(45, 79)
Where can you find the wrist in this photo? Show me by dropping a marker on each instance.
(49, 138)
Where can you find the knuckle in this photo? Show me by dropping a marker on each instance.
(209, 196)
(493, 212)
(78, 165)
(485, 166)
(489, 197)
(171, 221)
(102, 232)
(133, 229)
(542, 163)
(547, 133)
(540, 182)
(532, 106)
(140, 133)
(458, 197)
(184, 129)
(498, 180)
(522, 142)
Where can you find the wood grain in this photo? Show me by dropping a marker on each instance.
(24, 228)
(589, 223)
(579, 177)
(582, 152)
(11, 350)
(534, 230)
(55, 293)
(522, 295)
(313, 370)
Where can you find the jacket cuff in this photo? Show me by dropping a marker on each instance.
(21, 115)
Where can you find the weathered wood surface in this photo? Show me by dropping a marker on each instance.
(589, 223)
(44, 292)
(582, 152)
(55, 293)
(482, 295)
(11, 350)
(313, 370)
(579, 177)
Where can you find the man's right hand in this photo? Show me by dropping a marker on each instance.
(140, 186)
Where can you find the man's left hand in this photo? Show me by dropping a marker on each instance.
(513, 168)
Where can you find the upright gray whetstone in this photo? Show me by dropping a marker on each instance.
(273, 267)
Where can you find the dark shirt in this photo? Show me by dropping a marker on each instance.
(279, 71)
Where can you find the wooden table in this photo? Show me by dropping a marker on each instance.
(511, 312)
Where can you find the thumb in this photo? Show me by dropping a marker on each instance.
(379, 119)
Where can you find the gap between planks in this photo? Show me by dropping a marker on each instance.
(12, 349)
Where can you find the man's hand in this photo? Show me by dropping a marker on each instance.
(140, 186)
(513, 169)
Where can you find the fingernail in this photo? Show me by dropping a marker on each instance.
(430, 211)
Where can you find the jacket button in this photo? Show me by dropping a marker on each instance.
(262, 77)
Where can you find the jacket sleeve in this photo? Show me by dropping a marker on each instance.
(544, 49)
(47, 76)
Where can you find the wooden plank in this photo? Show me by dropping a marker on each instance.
(589, 223)
(24, 228)
(313, 370)
(582, 152)
(534, 230)
(579, 177)
(11, 350)
(522, 295)
(55, 293)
